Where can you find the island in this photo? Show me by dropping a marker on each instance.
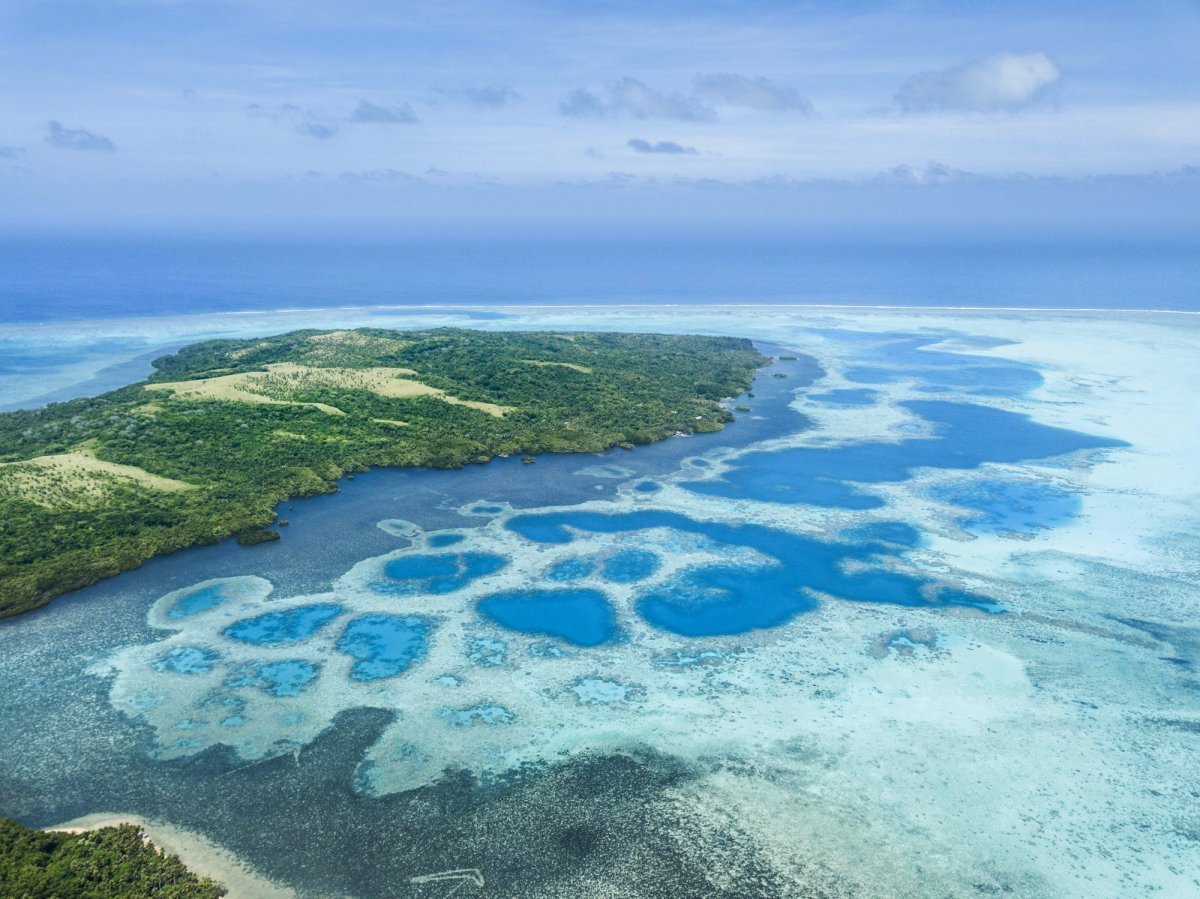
(108, 861)
(223, 431)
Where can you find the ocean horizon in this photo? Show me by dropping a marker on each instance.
(63, 280)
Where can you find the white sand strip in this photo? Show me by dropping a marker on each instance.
(198, 853)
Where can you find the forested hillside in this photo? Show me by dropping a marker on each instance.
(225, 430)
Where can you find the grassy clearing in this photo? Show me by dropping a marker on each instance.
(77, 479)
(571, 365)
(282, 381)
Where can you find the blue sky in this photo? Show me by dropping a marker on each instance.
(833, 115)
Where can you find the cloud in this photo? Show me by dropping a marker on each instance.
(380, 175)
(10, 152)
(634, 98)
(582, 103)
(484, 97)
(662, 146)
(305, 121)
(274, 113)
(399, 113)
(57, 135)
(318, 130)
(1005, 82)
(751, 93)
(933, 173)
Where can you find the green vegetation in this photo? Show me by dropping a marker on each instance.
(226, 430)
(98, 864)
(257, 536)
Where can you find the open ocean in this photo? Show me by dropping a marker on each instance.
(70, 280)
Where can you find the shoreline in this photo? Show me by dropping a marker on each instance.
(199, 854)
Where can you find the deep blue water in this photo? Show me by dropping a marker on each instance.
(967, 436)
(66, 279)
(438, 573)
(720, 599)
(581, 617)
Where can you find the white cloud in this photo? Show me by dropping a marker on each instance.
(1002, 83)
(634, 98)
(751, 93)
(58, 135)
(319, 130)
(670, 147)
(366, 111)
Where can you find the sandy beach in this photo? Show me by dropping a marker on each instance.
(202, 856)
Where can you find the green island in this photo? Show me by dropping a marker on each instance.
(225, 430)
(95, 864)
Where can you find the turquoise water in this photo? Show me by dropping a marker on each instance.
(291, 626)
(197, 601)
(384, 645)
(910, 359)
(630, 566)
(486, 715)
(570, 570)
(888, 531)
(845, 397)
(187, 660)
(1009, 507)
(286, 678)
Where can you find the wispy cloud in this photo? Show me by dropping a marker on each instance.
(374, 113)
(751, 93)
(58, 135)
(634, 98)
(7, 152)
(375, 175)
(319, 130)
(1005, 82)
(931, 174)
(483, 97)
(661, 146)
(304, 121)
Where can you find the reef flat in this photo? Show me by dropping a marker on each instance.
(225, 430)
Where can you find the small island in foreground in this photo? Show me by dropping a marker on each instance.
(225, 430)
(109, 861)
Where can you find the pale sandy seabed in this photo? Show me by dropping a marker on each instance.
(1050, 750)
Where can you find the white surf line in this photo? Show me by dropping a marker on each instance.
(699, 307)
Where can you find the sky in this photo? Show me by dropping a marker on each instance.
(657, 117)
